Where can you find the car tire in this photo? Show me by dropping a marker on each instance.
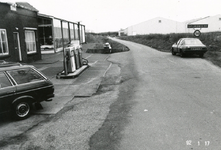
(201, 55)
(173, 53)
(22, 110)
(181, 54)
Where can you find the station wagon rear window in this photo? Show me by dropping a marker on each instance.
(25, 75)
(4, 82)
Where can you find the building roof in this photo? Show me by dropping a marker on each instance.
(23, 5)
(156, 18)
(26, 5)
(195, 20)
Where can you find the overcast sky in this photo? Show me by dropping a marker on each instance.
(113, 15)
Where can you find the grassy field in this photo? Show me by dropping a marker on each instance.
(163, 42)
(98, 41)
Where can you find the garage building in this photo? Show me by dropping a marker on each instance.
(162, 25)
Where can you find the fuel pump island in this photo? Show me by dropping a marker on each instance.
(73, 61)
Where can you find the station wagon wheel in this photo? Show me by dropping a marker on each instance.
(201, 55)
(22, 110)
(181, 53)
(173, 53)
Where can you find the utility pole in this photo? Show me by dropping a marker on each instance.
(64, 55)
(79, 32)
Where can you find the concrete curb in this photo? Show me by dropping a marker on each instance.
(74, 74)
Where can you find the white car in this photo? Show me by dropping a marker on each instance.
(185, 46)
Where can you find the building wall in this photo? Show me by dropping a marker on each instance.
(214, 24)
(164, 26)
(156, 25)
(17, 21)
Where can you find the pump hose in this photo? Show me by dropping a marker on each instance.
(84, 61)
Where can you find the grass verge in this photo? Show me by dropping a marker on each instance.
(96, 43)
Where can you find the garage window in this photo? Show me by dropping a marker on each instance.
(3, 42)
(30, 41)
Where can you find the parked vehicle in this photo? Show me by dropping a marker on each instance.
(22, 86)
(186, 46)
(107, 48)
(47, 47)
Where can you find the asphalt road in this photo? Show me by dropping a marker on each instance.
(147, 100)
(176, 103)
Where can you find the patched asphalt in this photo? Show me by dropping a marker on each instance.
(66, 89)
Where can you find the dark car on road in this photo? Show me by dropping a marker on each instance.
(22, 86)
(186, 46)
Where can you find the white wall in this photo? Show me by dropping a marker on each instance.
(169, 26)
(157, 25)
(214, 24)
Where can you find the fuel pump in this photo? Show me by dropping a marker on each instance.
(80, 56)
(70, 59)
(74, 64)
(77, 58)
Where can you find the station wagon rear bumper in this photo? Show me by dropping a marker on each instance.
(49, 97)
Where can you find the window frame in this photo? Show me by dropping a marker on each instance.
(8, 79)
(29, 82)
(6, 42)
(31, 43)
(179, 41)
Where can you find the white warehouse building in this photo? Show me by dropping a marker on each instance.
(161, 25)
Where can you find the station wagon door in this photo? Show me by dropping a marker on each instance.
(7, 91)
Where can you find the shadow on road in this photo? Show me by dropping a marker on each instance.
(6, 118)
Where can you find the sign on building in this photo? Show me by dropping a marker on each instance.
(197, 26)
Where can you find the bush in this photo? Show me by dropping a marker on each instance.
(94, 38)
(100, 40)
(163, 42)
(90, 38)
